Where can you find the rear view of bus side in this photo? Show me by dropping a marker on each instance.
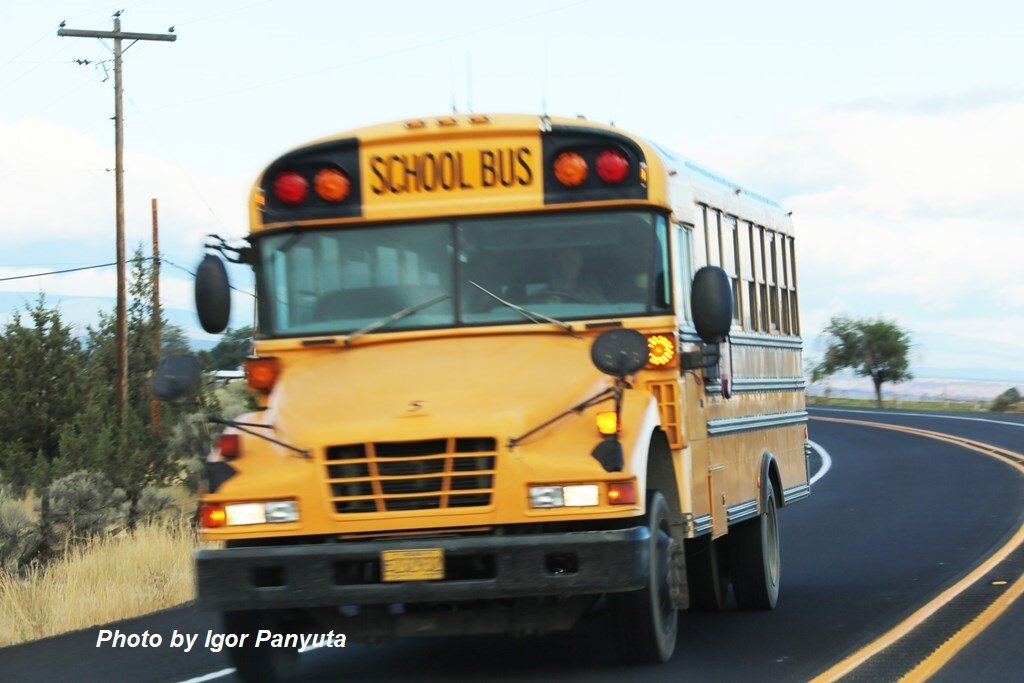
(506, 365)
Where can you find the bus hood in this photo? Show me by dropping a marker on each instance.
(496, 386)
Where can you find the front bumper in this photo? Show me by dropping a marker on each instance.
(347, 573)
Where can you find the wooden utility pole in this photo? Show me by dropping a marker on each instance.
(122, 287)
(155, 404)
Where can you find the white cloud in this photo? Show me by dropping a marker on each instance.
(56, 187)
(922, 204)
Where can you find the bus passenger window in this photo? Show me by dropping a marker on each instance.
(685, 267)
(662, 281)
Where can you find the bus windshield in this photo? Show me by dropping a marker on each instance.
(565, 266)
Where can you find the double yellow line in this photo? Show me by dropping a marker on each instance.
(944, 653)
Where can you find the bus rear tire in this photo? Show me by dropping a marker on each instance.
(259, 664)
(646, 623)
(707, 574)
(756, 560)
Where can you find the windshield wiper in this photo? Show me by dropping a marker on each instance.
(404, 313)
(533, 316)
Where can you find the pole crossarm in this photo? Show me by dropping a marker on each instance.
(123, 35)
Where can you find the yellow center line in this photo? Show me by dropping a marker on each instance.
(936, 660)
(950, 648)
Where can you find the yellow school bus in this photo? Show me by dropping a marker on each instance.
(506, 365)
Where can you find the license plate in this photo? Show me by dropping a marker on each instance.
(412, 565)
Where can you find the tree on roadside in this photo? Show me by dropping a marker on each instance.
(1006, 400)
(40, 389)
(874, 348)
(136, 458)
(233, 347)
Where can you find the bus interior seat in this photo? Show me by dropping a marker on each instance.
(372, 302)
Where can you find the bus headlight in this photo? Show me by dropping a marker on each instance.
(241, 514)
(575, 495)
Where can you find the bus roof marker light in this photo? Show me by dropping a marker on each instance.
(612, 166)
(570, 169)
(290, 187)
(331, 184)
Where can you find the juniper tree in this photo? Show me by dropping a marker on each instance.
(872, 348)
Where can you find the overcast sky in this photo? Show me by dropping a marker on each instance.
(894, 131)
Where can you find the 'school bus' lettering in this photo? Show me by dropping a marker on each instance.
(444, 171)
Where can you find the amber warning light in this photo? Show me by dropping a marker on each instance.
(661, 350)
(261, 373)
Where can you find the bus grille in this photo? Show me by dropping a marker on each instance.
(395, 476)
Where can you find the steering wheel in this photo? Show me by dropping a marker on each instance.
(556, 294)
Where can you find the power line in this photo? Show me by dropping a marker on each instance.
(172, 264)
(66, 270)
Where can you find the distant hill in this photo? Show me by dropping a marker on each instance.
(918, 389)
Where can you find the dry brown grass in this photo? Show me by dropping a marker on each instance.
(110, 579)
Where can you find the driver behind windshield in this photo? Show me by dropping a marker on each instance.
(570, 280)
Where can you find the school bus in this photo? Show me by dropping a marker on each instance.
(506, 365)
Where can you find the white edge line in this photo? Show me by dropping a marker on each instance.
(826, 465)
(224, 672)
(209, 676)
(937, 417)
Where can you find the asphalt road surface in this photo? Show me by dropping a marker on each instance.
(896, 519)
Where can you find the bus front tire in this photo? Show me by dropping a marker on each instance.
(258, 664)
(756, 560)
(645, 620)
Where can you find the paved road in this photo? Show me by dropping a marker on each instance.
(896, 519)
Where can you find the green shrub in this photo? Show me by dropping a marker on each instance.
(153, 503)
(83, 504)
(19, 535)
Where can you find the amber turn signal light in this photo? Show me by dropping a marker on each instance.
(622, 492)
(213, 515)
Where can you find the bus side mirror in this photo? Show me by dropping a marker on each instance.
(711, 302)
(213, 294)
(620, 352)
(176, 376)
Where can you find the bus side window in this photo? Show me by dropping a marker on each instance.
(747, 293)
(684, 267)
(772, 271)
(699, 243)
(714, 254)
(762, 278)
(662, 269)
(730, 263)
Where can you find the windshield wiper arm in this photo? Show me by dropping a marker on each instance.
(404, 313)
(526, 313)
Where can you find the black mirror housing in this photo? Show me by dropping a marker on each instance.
(213, 294)
(711, 302)
(620, 352)
(609, 454)
(176, 376)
